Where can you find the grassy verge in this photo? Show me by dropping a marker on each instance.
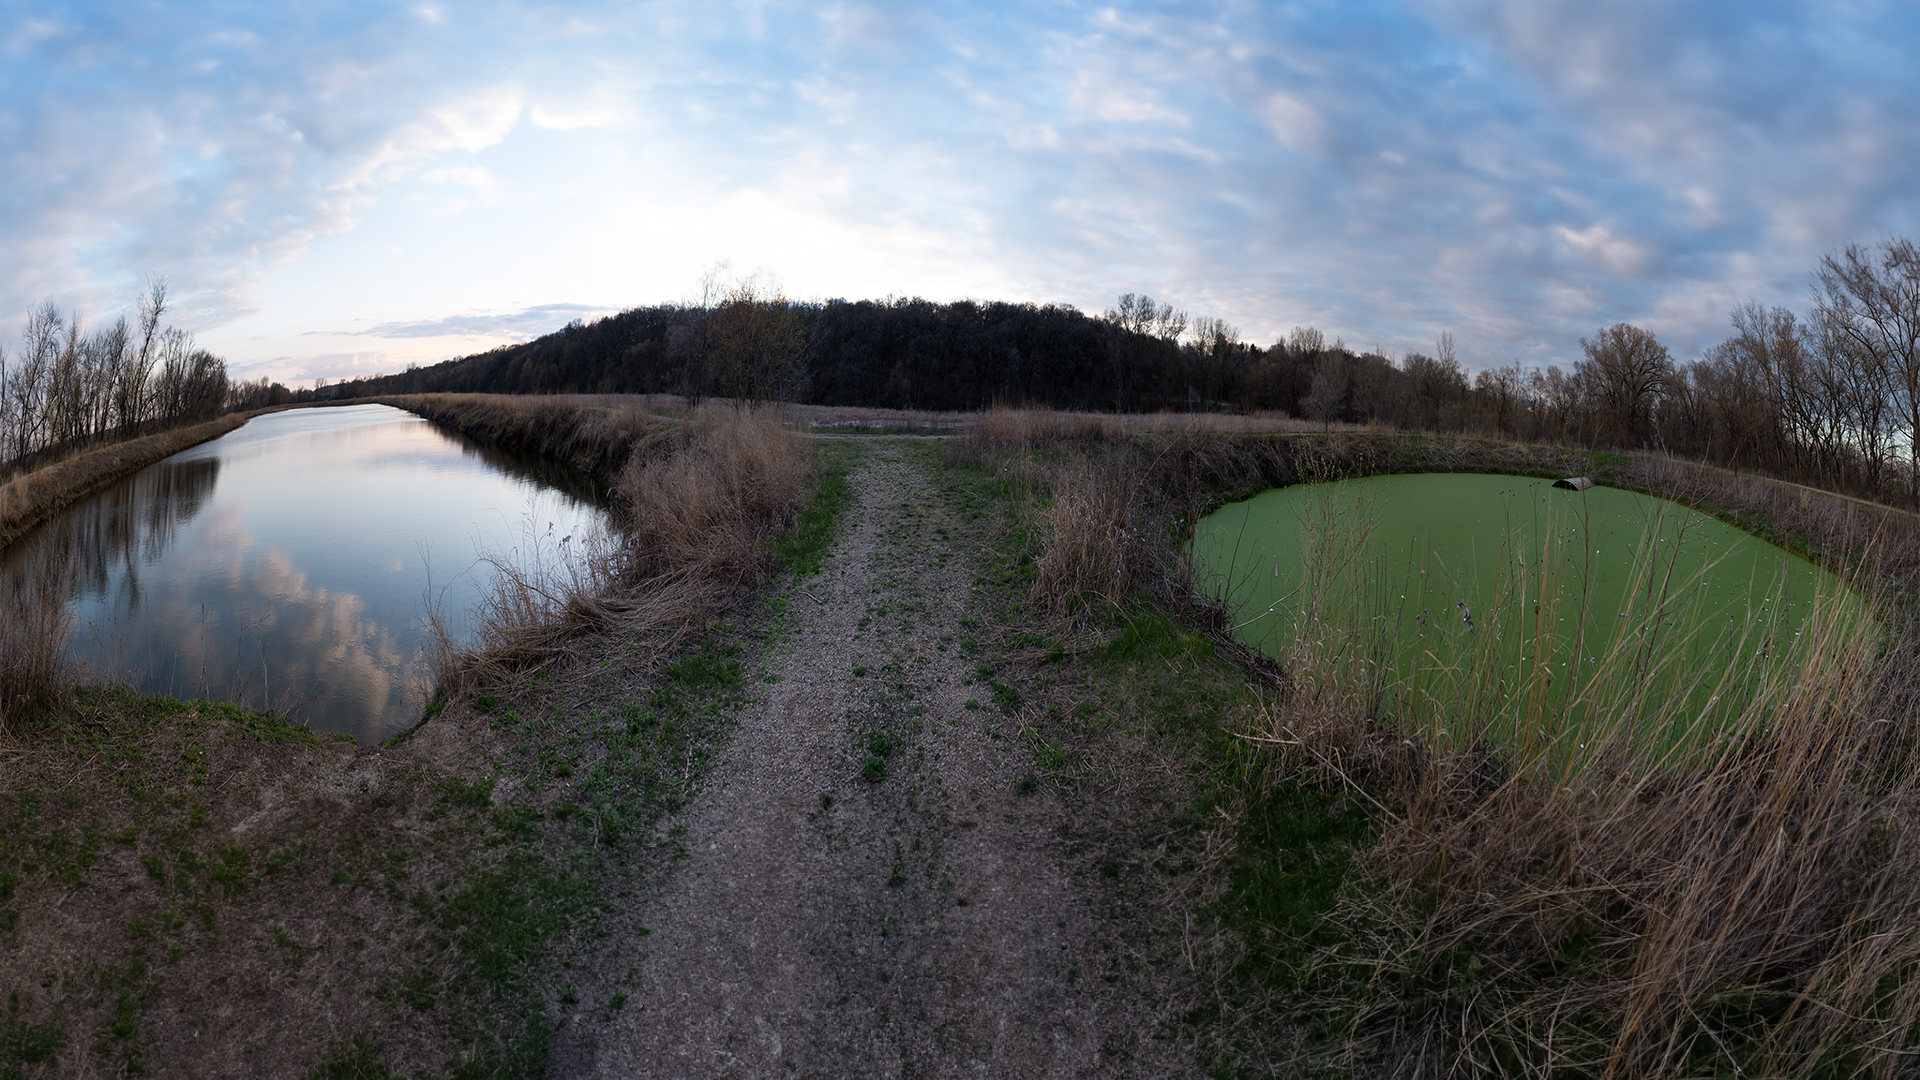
(1221, 870)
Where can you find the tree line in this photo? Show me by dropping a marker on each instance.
(1831, 396)
(68, 385)
(899, 352)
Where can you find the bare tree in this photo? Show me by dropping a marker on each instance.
(1629, 370)
(1501, 389)
(1139, 317)
(758, 344)
(130, 389)
(1209, 354)
(1871, 297)
(1327, 394)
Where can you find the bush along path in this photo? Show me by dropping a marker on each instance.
(876, 883)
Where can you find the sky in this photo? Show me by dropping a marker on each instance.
(335, 189)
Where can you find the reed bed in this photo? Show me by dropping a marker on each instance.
(699, 502)
(1562, 887)
(1004, 428)
(35, 625)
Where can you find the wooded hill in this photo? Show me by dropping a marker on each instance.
(883, 353)
(1831, 398)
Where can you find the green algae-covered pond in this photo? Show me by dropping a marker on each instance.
(1505, 605)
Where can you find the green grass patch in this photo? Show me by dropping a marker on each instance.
(1295, 850)
(801, 547)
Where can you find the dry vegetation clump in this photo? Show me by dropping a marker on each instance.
(698, 502)
(1004, 428)
(34, 672)
(593, 435)
(1747, 901)
(702, 508)
(1098, 524)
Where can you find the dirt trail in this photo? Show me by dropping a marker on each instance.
(935, 923)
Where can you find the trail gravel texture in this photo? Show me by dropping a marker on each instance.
(874, 885)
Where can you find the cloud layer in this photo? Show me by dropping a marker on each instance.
(1518, 173)
(528, 323)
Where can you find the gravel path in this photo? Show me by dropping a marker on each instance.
(936, 922)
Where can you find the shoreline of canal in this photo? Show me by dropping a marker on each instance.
(33, 497)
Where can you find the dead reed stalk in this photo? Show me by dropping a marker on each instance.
(35, 627)
(1744, 902)
(699, 503)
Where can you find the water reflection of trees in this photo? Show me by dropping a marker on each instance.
(129, 524)
(545, 472)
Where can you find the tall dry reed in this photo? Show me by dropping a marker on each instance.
(699, 503)
(1565, 886)
(1722, 890)
(704, 508)
(35, 627)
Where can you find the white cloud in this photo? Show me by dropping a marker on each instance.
(529, 322)
(470, 124)
(1293, 122)
(483, 187)
(1520, 171)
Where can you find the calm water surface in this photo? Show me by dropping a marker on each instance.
(288, 562)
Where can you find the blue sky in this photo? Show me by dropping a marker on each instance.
(342, 188)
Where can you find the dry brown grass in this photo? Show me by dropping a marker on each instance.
(34, 671)
(703, 508)
(1742, 904)
(1091, 551)
(1747, 902)
(1010, 428)
(698, 501)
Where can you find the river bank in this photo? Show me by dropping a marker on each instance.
(33, 497)
(195, 888)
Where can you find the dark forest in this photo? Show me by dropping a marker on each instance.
(1831, 397)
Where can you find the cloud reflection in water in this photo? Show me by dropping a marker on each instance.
(287, 563)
